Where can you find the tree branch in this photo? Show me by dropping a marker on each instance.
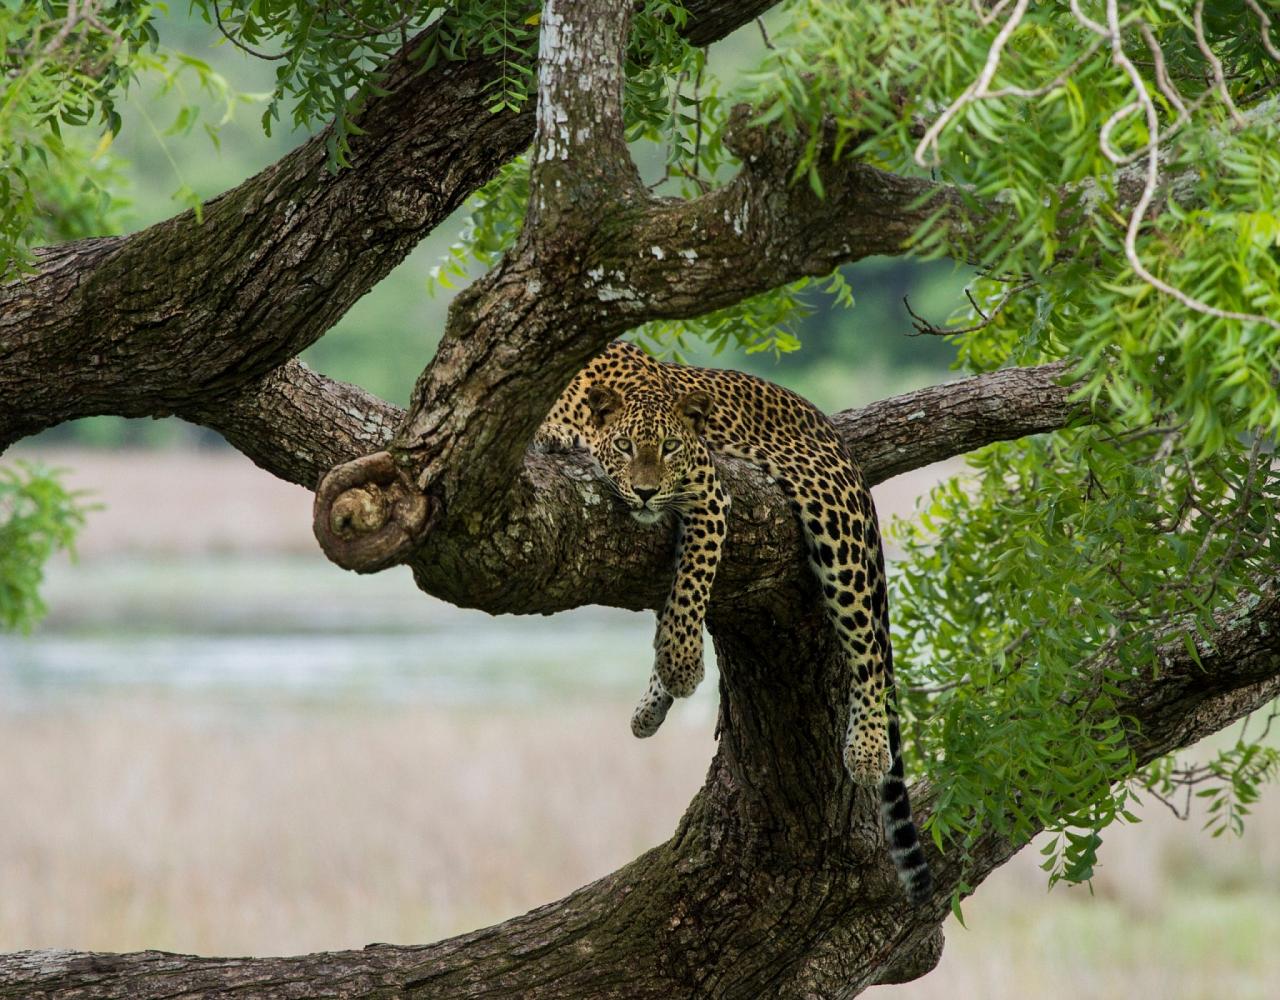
(1236, 671)
(298, 424)
(188, 310)
(582, 172)
(905, 432)
(185, 312)
(686, 258)
(519, 333)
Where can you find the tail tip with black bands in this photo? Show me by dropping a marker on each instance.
(903, 838)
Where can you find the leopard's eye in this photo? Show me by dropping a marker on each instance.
(671, 445)
(624, 445)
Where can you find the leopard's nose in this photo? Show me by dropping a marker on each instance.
(644, 495)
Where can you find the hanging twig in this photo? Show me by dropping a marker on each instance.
(977, 90)
(1264, 29)
(922, 327)
(764, 34)
(217, 17)
(1214, 62)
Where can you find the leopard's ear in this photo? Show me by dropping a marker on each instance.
(604, 402)
(695, 407)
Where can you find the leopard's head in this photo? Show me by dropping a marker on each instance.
(647, 444)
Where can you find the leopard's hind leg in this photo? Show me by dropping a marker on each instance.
(843, 541)
(846, 555)
(835, 510)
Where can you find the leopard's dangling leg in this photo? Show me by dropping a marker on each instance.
(652, 710)
(678, 663)
(835, 511)
(841, 539)
(846, 555)
(854, 591)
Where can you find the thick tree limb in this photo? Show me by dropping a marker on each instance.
(582, 171)
(680, 259)
(186, 312)
(140, 325)
(298, 424)
(905, 432)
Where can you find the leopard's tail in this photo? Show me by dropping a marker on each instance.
(899, 827)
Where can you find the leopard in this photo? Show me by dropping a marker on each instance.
(652, 428)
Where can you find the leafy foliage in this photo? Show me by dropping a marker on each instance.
(1052, 556)
(890, 67)
(38, 516)
(57, 73)
(1230, 782)
(765, 322)
(66, 67)
(1035, 590)
(331, 56)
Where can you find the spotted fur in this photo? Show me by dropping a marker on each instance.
(651, 427)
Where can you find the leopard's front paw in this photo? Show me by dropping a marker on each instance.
(679, 665)
(556, 439)
(652, 710)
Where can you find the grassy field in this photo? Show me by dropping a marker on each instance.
(141, 822)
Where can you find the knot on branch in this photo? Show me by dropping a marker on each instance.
(368, 515)
(912, 963)
(775, 144)
(746, 138)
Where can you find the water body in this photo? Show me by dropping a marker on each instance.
(297, 629)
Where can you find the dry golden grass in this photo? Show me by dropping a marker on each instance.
(136, 822)
(1173, 913)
